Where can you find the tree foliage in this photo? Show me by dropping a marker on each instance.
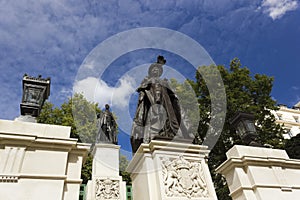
(244, 92)
(123, 163)
(78, 113)
(292, 147)
(86, 171)
(188, 103)
(81, 116)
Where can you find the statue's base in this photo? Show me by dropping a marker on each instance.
(170, 170)
(26, 118)
(106, 183)
(174, 139)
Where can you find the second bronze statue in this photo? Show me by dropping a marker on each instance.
(107, 127)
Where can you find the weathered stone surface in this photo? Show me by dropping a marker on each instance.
(106, 183)
(39, 161)
(171, 171)
(261, 173)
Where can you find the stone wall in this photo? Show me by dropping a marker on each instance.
(39, 161)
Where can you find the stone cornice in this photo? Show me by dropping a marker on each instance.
(289, 110)
(35, 142)
(34, 129)
(245, 161)
(286, 122)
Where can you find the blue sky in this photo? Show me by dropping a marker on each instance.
(53, 38)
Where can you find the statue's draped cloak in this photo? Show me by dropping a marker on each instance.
(146, 122)
(106, 128)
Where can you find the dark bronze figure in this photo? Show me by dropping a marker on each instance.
(107, 127)
(158, 110)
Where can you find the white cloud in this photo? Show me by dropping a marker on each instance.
(52, 37)
(295, 88)
(64, 94)
(97, 90)
(277, 8)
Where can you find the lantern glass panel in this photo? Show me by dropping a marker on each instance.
(33, 95)
(241, 129)
(250, 126)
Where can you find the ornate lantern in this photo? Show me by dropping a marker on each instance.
(35, 92)
(244, 125)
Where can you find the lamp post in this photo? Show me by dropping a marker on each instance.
(244, 125)
(35, 91)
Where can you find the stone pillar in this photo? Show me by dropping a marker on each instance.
(106, 184)
(261, 173)
(171, 171)
(39, 161)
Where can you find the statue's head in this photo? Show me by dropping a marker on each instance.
(156, 69)
(106, 106)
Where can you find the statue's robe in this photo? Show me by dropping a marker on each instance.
(157, 113)
(107, 128)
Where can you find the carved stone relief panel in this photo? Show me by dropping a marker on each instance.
(107, 189)
(183, 178)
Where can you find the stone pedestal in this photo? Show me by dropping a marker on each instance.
(171, 171)
(39, 161)
(106, 184)
(260, 173)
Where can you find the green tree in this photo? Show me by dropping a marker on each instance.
(123, 163)
(244, 92)
(188, 104)
(78, 113)
(86, 171)
(292, 147)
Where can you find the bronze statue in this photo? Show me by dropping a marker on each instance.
(158, 110)
(107, 127)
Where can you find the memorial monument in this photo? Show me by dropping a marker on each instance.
(158, 112)
(165, 165)
(106, 183)
(107, 127)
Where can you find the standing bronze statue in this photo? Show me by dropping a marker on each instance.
(158, 110)
(107, 127)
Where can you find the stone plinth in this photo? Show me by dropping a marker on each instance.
(171, 171)
(260, 173)
(39, 161)
(106, 184)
